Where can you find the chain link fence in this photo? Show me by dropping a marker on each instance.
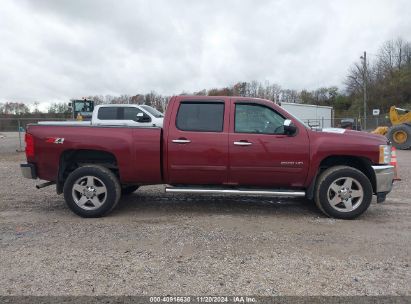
(350, 123)
(12, 132)
(375, 121)
(15, 124)
(12, 129)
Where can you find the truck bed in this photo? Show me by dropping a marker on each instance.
(136, 150)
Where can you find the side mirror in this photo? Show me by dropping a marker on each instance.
(141, 117)
(289, 128)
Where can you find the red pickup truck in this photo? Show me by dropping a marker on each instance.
(212, 145)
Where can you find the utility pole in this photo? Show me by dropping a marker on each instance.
(364, 80)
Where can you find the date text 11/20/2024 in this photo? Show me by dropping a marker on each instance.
(203, 299)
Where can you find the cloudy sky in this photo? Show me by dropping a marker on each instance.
(55, 50)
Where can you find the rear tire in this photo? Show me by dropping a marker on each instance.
(343, 192)
(92, 191)
(400, 136)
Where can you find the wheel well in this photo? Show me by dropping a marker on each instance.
(70, 160)
(360, 163)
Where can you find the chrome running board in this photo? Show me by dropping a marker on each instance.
(244, 191)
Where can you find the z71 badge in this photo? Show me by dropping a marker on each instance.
(55, 140)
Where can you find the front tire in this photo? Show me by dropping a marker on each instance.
(92, 191)
(343, 192)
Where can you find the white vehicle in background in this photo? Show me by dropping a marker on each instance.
(127, 115)
(119, 115)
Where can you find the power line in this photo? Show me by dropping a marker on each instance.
(364, 58)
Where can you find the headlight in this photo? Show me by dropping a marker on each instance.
(385, 154)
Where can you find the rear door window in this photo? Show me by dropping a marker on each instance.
(118, 113)
(108, 113)
(200, 116)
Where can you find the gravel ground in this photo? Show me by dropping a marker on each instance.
(159, 244)
(9, 142)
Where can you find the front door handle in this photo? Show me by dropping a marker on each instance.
(242, 143)
(181, 141)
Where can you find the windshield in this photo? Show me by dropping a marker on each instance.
(83, 106)
(153, 111)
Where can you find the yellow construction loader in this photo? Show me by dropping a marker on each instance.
(400, 132)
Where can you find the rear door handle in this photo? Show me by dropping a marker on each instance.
(242, 143)
(181, 141)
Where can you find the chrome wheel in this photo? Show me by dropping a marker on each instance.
(345, 194)
(89, 192)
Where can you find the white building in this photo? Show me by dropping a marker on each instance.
(314, 116)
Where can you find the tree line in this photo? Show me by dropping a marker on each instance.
(387, 76)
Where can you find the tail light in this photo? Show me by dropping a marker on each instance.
(29, 139)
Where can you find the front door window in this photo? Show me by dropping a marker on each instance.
(257, 119)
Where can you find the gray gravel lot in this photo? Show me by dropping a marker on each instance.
(159, 244)
(10, 142)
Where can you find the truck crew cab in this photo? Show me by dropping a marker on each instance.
(229, 145)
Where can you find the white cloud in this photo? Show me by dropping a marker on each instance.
(57, 50)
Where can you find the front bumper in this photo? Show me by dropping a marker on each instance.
(28, 171)
(384, 177)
